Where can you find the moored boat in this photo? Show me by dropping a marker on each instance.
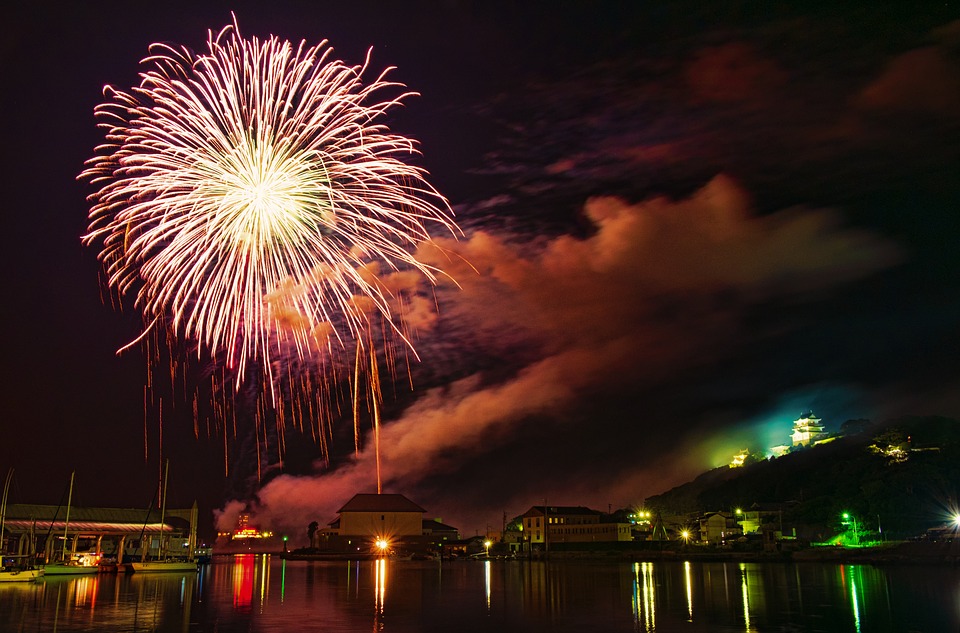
(163, 565)
(14, 568)
(28, 574)
(79, 564)
(75, 562)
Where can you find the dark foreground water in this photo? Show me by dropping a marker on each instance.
(259, 593)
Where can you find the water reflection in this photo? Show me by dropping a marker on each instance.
(486, 578)
(256, 593)
(745, 594)
(645, 598)
(380, 584)
(244, 566)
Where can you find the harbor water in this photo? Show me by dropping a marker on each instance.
(254, 593)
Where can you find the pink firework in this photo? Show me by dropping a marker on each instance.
(251, 202)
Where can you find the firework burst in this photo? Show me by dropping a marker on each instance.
(254, 207)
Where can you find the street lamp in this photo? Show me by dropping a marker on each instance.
(382, 545)
(486, 546)
(852, 520)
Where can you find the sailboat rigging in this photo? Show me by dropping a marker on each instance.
(162, 562)
(71, 563)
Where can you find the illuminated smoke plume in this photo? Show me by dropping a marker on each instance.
(658, 290)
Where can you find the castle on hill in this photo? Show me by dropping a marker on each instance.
(808, 430)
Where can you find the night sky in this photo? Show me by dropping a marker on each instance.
(685, 222)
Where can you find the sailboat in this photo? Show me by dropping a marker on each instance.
(20, 569)
(161, 563)
(75, 563)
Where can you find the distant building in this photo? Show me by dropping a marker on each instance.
(367, 518)
(380, 516)
(740, 458)
(806, 430)
(780, 450)
(247, 538)
(543, 525)
(717, 528)
(766, 520)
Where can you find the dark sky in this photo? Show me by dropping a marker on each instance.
(686, 223)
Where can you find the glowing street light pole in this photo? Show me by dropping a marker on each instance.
(486, 546)
(849, 518)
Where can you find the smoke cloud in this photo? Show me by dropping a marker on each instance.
(659, 289)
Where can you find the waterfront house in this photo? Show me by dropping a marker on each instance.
(390, 519)
(546, 525)
(716, 528)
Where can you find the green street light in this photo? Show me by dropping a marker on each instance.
(848, 518)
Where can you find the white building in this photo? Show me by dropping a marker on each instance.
(806, 429)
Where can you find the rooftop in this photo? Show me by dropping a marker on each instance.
(380, 503)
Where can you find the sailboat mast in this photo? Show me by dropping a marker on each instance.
(163, 506)
(66, 522)
(3, 506)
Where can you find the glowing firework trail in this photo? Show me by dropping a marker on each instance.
(250, 203)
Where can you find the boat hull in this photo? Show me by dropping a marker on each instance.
(21, 575)
(70, 570)
(162, 565)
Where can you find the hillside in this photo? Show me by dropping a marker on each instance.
(902, 475)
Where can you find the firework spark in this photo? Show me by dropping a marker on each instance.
(252, 204)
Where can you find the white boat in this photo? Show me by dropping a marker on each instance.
(161, 563)
(17, 574)
(19, 568)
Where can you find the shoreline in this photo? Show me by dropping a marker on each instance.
(905, 553)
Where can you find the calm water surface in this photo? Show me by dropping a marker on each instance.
(260, 593)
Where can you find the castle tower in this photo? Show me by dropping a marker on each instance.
(806, 429)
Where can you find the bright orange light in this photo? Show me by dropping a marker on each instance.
(382, 544)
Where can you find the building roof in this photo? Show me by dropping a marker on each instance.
(437, 526)
(380, 503)
(47, 513)
(22, 517)
(82, 527)
(558, 510)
